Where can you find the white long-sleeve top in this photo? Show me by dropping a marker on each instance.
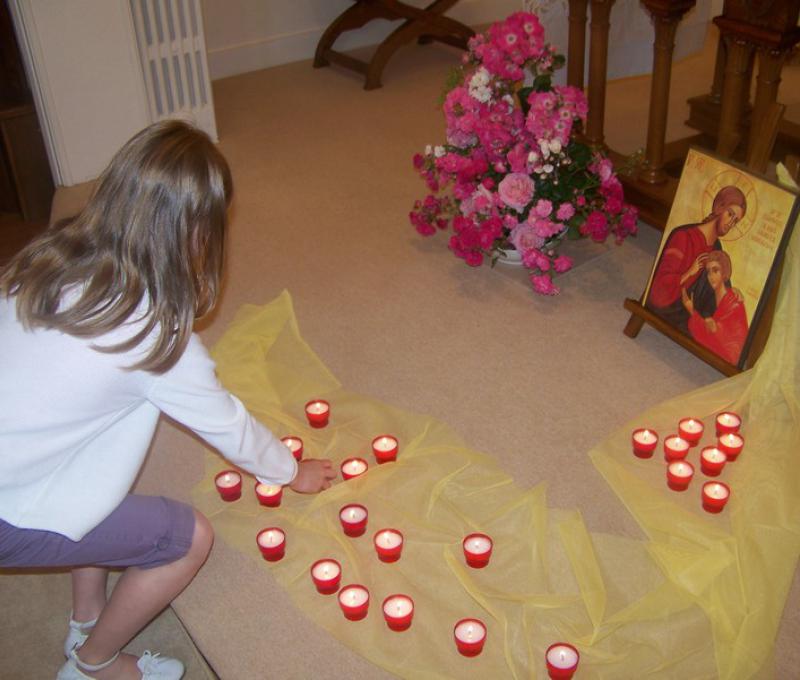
(75, 425)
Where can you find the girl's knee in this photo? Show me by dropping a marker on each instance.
(203, 536)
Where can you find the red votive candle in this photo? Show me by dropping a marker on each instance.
(354, 601)
(269, 495)
(728, 422)
(715, 496)
(326, 574)
(295, 445)
(229, 485)
(388, 544)
(679, 474)
(354, 519)
(691, 429)
(477, 550)
(272, 543)
(731, 445)
(354, 467)
(385, 448)
(562, 661)
(318, 411)
(712, 460)
(469, 634)
(675, 447)
(398, 610)
(644, 442)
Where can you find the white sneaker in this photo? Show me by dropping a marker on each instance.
(157, 667)
(78, 632)
(152, 667)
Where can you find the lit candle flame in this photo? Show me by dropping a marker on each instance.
(469, 631)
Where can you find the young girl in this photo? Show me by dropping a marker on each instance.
(96, 341)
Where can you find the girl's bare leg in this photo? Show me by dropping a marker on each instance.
(140, 594)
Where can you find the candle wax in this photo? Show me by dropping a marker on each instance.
(228, 479)
(729, 420)
(388, 539)
(353, 597)
(562, 657)
(271, 538)
(470, 631)
(645, 437)
(713, 455)
(680, 469)
(353, 514)
(677, 443)
(326, 570)
(317, 408)
(397, 607)
(268, 489)
(479, 544)
(691, 425)
(716, 491)
(731, 439)
(354, 467)
(385, 444)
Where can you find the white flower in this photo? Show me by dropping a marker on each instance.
(548, 168)
(555, 145)
(439, 151)
(428, 149)
(482, 94)
(545, 147)
(533, 157)
(479, 86)
(480, 78)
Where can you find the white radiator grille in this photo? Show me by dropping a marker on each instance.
(172, 50)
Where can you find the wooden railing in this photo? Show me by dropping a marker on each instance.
(766, 28)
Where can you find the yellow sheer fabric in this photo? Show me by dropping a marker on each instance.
(701, 597)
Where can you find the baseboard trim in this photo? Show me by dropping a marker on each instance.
(283, 48)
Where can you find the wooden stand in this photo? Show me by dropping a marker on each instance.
(423, 24)
(640, 315)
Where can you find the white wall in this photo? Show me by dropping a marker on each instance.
(85, 69)
(247, 35)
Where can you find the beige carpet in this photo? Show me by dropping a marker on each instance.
(324, 184)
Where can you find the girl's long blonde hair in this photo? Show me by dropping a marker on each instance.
(153, 232)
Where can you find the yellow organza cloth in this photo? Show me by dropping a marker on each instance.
(701, 597)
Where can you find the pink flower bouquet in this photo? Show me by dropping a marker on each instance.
(511, 174)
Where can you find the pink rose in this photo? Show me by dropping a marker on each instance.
(565, 211)
(562, 264)
(543, 284)
(516, 190)
(543, 207)
(535, 259)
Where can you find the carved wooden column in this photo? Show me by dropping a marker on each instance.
(769, 26)
(739, 52)
(598, 66)
(715, 95)
(770, 64)
(576, 46)
(666, 17)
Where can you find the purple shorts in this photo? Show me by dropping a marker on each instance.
(143, 531)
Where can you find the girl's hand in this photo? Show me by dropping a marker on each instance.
(313, 475)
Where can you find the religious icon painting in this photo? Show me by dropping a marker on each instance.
(718, 262)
